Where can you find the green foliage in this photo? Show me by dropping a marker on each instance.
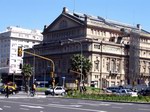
(40, 89)
(26, 73)
(27, 70)
(111, 97)
(76, 61)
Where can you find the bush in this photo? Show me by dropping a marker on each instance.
(110, 97)
(40, 89)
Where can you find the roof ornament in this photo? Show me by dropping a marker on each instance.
(65, 10)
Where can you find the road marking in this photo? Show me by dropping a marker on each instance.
(1, 109)
(56, 106)
(91, 104)
(120, 103)
(118, 107)
(143, 105)
(144, 109)
(75, 105)
(24, 109)
(29, 106)
(55, 102)
(72, 108)
(66, 105)
(7, 106)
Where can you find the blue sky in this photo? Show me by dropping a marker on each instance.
(34, 14)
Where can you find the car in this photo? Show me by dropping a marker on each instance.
(144, 92)
(1, 90)
(58, 90)
(127, 92)
(113, 89)
(12, 87)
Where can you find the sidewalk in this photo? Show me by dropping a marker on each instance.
(22, 94)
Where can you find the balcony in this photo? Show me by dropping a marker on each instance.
(145, 74)
(113, 73)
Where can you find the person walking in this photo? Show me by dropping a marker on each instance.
(33, 89)
(7, 91)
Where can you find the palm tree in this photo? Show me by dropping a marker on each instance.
(27, 73)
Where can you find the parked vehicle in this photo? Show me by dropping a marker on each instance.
(1, 90)
(113, 89)
(127, 92)
(58, 90)
(144, 92)
(12, 87)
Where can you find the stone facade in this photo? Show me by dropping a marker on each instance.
(103, 41)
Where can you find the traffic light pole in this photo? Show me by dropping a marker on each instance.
(53, 66)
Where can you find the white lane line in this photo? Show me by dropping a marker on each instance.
(91, 104)
(143, 106)
(65, 105)
(29, 106)
(120, 103)
(1, 109)
(55, 102)
(7, 106)
(118, 107)
(75, 105)
(73, 108)
(56, 106)
(144, 109)
(24, 109)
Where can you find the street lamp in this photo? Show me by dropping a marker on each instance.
(33, 65)
(71, 40)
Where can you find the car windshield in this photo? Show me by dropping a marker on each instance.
(129, 90)
(58, 88)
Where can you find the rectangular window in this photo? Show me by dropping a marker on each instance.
(96, 76)
(97, 46)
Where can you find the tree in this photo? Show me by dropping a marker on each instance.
(27, 73)
(76, 65)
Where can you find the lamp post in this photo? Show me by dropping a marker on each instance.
(33, 65)
(71, 40)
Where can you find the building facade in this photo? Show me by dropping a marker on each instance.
(10, 40)
(119, 52)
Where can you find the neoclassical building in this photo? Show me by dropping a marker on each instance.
(120, 53)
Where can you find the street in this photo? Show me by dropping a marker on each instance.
(52, 104)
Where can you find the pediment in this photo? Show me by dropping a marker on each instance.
(63, 22)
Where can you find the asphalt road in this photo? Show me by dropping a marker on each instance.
(67, 105)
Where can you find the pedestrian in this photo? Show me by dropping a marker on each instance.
(33, 89)
(7, 91)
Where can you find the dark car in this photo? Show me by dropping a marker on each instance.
(2, 91)
(145, 92)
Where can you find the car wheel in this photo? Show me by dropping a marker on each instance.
(63, 93)
(46, 93)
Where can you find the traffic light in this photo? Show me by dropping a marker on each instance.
(20, 51)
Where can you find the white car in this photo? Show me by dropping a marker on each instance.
(58, 90)
(127, 92)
